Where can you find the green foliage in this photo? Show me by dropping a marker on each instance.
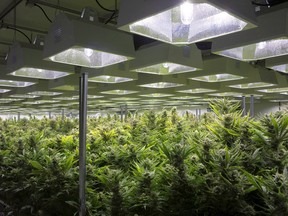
(150, 164)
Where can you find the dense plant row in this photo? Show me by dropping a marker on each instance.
(151, 164)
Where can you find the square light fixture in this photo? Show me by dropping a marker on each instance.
(258, 43)
(4, 90)
(76, 41)
(156, 95)
(39, 102)
(185, 98)
(252, 85)
(25, 60)
(227, 94)
(119, 92)
(12, 83)
(23, 96)
(166, 59)
(274, 90)
(278, 64)
(161, 85)
(197, 90)
(45, 93)
(185, 21)
(124, 99)
(116, 73)
(218, 78)
(109, 79)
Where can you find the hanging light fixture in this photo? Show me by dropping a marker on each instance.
(25, 60)
(278, 64)
(117, 73)
(185, 21)
(270, 39)
(85, 42)
(165, 59)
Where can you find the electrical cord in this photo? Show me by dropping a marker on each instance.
(15, 29)
(113, 16)
(43, 12)
(106, 9)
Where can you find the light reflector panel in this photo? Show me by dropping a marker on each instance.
(11, 83)
(162, 85)
(252, 85)
(218, 78)
(184, 22)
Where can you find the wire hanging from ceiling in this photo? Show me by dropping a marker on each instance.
(104, 8)
(45, 14)
(15, 29)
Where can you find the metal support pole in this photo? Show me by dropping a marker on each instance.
(252, 106)
(126, 112)
(63, 114)
(49, 115)
(18, 117)
(196, 112)
(243, 105)
(121, 113)
(83, 87)
(279, 106)
(199, 113)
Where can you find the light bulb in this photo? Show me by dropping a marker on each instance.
(166, 65)
(262, 45)
(88, 52)
(186, 13)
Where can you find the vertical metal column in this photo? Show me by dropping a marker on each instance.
(252, 106)
(49, 115)
(63, 114)
(121, 113)
(83, 86)
(243, 105)
(18, 117)
(279, 106)
(126, 112)
(199, 113)
(196, 112)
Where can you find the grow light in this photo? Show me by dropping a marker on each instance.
(165, 59)
(258, 51)
(89, 96)
(184, 98)
(109, 79)
(218, 78)
(197, 90)
(11, 83)
(252, 85)
(227, 94)
(38, 73)
(124, 99)
(81, 42)
(119, 92)
(23, 96)
(40, 102)
(10, 99)
(162, 85)
(156, 95)
(4, 90)
(65, 98)
(282, 68)
(166, 68)
(274, 90)
(258, 43)
(184, 22)
(45, 93)
(277, 101)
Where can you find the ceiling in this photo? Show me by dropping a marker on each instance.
(30, 21)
